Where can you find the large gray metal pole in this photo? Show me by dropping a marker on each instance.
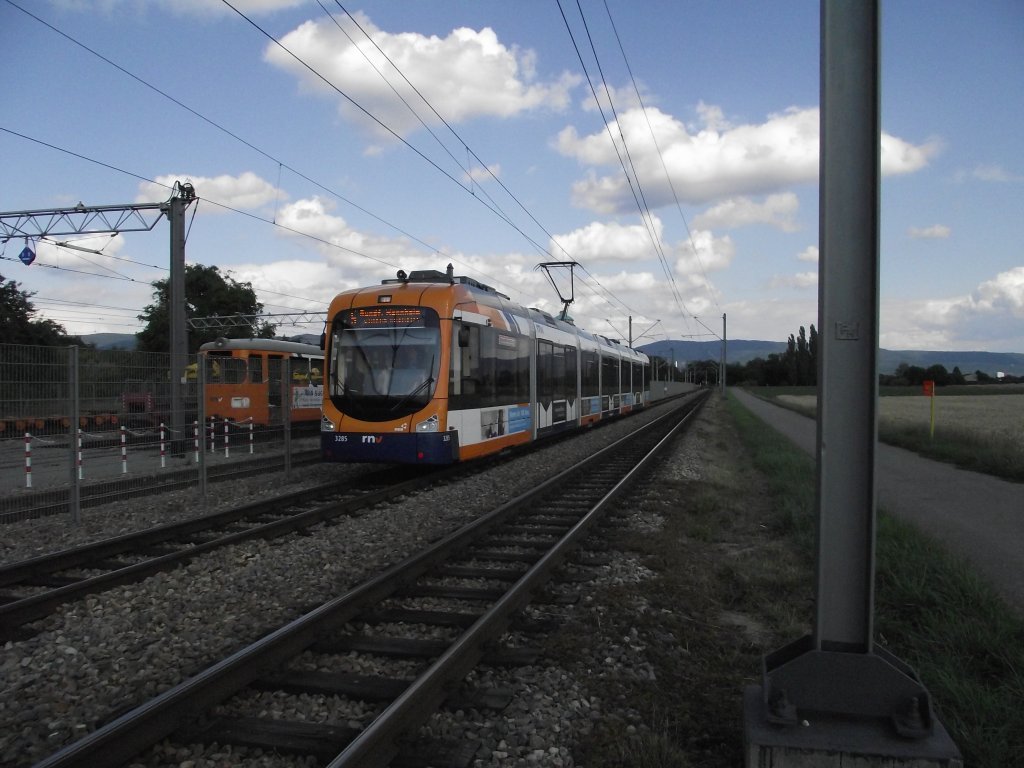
(180, 200)
(75, 403)
(848, 319)
(837, 671)
(725, 363)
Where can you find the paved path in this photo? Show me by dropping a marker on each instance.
(976, 516)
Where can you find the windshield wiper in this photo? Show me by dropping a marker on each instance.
(425, 383)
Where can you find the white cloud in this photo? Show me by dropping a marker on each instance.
(483, 175)
(247, 191)
(995, 173)
(775, 211)
(799, 280)
(810, 253)
(343, 246)
(770, 319)
(601, 242)
(704, 253)
(991, 317)
(934, 232)
(717, 161)
(467, 74)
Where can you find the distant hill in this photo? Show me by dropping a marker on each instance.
(741, 351)
(738, 351)
(126, 341)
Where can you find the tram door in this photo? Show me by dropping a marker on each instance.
(274, 389)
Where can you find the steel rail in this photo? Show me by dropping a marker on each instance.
(19, 612)
(376, 746)
(125, 737)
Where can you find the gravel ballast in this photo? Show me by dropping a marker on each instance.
(115, 650)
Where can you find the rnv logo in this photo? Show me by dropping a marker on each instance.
(373, 439)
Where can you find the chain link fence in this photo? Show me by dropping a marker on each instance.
(81, 427)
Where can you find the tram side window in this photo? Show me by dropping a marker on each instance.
(569, 375)
(558, 374)
(233, 369)
(305, 371)
(255, 369)
(637, 377)
(494, 369)
(609, 375)
(216, 367)
(591, 376)
(545, 371)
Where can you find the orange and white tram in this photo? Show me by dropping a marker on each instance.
(244, 380)
(432, 368)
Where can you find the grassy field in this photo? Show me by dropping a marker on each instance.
(976, 427)
(732, 566)
(932, 611)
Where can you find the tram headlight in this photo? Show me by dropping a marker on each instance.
(430, 425)
(326, 425)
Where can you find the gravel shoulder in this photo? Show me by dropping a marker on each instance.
(976, 516)
(116, 649)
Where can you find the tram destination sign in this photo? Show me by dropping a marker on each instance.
(386, 317)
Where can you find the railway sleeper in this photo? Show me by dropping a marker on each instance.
(530, 528)
(535, 545)
(371, 688)
(419, 616)
(482, 594)
(497, 655)
(51, 580)
(325, 741)
(475, 572)
(499, 556)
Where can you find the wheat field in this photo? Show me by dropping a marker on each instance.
(986, 416)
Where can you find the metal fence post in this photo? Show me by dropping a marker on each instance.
(286, 415)
(75, 409)
(201, 421)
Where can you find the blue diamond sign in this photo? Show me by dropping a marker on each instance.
(27, 256)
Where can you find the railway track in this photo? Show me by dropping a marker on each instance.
(55, 502)
(32, 589)
(465, 590)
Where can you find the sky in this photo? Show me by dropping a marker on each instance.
(670, 149)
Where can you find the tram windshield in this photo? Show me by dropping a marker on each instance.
(384, 361)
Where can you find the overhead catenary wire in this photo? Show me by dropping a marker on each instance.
(493, 206)
(636, 190)
(661, 157)
(380, 122)
(237, 137)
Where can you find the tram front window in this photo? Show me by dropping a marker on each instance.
(379, 374)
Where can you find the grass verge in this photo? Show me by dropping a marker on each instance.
(967, 448)
(731, 550)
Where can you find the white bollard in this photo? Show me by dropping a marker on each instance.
(28, 460)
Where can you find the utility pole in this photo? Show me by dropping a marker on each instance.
(836, 691)
(114, 219)
(176, 206)
(724, 358)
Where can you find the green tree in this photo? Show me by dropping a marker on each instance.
(20, 327)
(207, 293)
